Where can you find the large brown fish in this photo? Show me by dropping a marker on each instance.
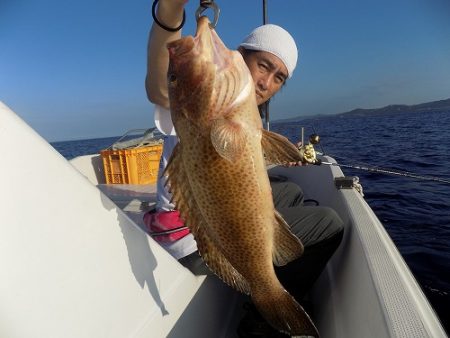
(217, 175)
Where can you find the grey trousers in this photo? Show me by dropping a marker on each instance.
(319, 228)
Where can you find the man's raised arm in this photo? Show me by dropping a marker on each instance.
(170, 14)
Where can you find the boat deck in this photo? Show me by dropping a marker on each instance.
(134, 199)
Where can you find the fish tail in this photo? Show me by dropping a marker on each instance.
(283, 312)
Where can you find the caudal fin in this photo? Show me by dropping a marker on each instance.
(283, 312)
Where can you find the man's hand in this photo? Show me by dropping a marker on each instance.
(170, 12)
(294, 164)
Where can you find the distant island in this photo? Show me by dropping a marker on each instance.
(441, 105)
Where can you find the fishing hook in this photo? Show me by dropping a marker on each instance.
(204, 5)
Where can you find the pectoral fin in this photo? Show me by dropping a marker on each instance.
(228, 138)
(278, 149)
(287, 246)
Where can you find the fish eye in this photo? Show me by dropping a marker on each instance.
(172, 78)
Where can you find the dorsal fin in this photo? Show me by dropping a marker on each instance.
(180, 188)
(218, 263)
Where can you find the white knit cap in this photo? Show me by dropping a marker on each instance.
(275, 40)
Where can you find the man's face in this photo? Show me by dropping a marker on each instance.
(268, 71)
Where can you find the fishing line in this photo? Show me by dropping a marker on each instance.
(387, 171)
(314, 139)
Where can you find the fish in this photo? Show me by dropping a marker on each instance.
(218, 178)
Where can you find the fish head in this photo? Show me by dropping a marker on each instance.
(206, 80)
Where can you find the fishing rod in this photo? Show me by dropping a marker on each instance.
(309, 154)
(266, 104)
(379, 170)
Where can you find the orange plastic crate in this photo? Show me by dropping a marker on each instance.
(132, 166)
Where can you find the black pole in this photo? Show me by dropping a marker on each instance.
(264, 12)
(266, 105)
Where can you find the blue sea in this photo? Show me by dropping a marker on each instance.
(415, 212)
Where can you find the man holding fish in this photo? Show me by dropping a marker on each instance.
(215, 153)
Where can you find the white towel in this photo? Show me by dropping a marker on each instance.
(275, 40)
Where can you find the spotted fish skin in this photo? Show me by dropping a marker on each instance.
(217, 175)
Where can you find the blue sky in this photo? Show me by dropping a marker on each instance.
(76, 69)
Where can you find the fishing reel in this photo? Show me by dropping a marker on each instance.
(308, 152)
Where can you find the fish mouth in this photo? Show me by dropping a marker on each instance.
(202, 25)
(185, 45)
(210, 45)
(206, 43)
(195, 59)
